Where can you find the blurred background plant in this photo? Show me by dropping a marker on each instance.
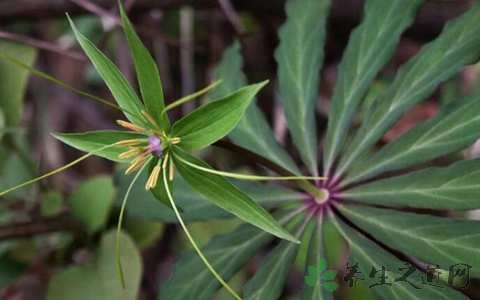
(55, 237)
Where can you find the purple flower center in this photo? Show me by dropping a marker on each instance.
(155, 145)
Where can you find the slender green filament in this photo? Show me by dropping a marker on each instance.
(56, 81)
(56, 171)
(61, 83)
(192, 241)
(190, 97)
(245, 176)
(120, 221)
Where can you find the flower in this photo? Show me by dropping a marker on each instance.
(142, 150)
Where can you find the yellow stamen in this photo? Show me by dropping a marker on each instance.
(165, 161)
(148, 184)
(130, 126)
(130, 153)
(175, 140)
(149, 118)
(136, 164)
(171, 172)
(152, 180)
(131, 142)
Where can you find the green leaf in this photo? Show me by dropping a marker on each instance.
(99, 280)
(222, 193)
(453, 187)
(15, 167)
(51, 204)
(369, 255)
(118, 85)
(321, 265)
(301, 260)
(76, 283)
(227, 253)
(434, 240)
(269, 281)
(94, 140)
(299, 57)
(311, 281)
(361, 292)
(334, 243)
(147, 73)
(312, 271)
(195, 207)
(330, 286)
(230, 71)
(451, 91)
(315, 254)
(369, 48)
(92, 201)
(13, 80)
(144, 233)
(253, 131)
(457, 46)
(455, 128)
(214, 120)
(376, 88)
(329, 275)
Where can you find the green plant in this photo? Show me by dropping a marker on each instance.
(151, 143)
(356, 203)
(349, 198)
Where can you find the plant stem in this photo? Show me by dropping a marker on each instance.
(319, 194)
(192, 241)
(191, 97)
(120, 221)
(246, 176)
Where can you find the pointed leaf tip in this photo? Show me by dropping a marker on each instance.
(116, 82)
(222, 193)
(299, 58)
(148, 75)
(253, 132)
(213, 121)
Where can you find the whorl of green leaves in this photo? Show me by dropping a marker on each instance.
(357, 168)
